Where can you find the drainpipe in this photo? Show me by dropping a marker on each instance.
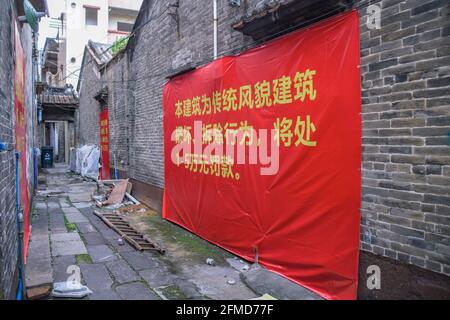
(19, 219)
(35, 169)
(215, 28)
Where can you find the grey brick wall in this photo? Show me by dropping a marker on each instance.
(88, 125)
(8, 227)
(406, 112)
(405, 74)
(8, 230)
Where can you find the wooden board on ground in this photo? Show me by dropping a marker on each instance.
(118, 193)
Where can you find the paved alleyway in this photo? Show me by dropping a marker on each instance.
(67, 234)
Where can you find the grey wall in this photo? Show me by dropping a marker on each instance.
(88, 125)
(8, 230)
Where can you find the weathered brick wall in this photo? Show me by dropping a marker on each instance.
(8, 230)
(405, 88)
(88, 127)
(151, 58)
(406, 121)
(120, 106)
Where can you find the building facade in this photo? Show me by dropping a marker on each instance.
(405, 77)
(104, 21)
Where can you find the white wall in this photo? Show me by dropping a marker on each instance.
(78, 33)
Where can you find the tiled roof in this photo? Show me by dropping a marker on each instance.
(275, 17)
(100, 52)
(59, 96)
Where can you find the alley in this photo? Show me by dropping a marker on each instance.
(67, 235)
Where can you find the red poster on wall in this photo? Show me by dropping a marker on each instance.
(104, 144)
(263, 154)
(21, 134)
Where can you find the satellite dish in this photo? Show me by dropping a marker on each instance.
(32, 17)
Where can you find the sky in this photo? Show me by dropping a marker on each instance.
(55, 7)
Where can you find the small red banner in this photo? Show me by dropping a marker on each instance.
(104, 144)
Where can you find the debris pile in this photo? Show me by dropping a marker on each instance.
(115, 194)
(115, 199)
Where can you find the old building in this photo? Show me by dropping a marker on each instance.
(105, 21)
(18, 129)
(405, 105)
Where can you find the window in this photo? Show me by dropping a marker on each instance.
(125, 27)
(91, 16)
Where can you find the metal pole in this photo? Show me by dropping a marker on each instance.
(19, 219)
(215, 28)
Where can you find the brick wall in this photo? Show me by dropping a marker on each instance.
(8, 227)
(88, 115)
(405, 211)
(8, 230)
(406, 122)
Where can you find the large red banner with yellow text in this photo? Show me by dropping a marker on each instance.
(299, 217)
(21, 135)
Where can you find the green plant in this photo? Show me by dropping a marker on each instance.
(119, 45)
(83, 259)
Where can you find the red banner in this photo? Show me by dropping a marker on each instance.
(21, 134)
(263, 155)
(104, 144)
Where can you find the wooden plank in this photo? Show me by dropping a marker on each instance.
(118, 193)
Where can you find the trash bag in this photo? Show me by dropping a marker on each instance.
(91, 168)
(87, 161)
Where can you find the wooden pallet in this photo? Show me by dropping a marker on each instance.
(126, 231)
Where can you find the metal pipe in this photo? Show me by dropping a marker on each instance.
(215, 28)
(19, 219)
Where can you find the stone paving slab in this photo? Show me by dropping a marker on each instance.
(263, 281)
(40, 227)
(41, 205)
(94, 239)
(60, 265)
(109, 234)
(66, 244)
(104, 295)
(98, 224)
(53, 205)
(122, 272)
(85, 227)
(39, 249)
(38, 272)
(96, 277)
(63, 203)
(76, 218)
(58, 229)
(138, 260)
(101, 253)
(82, 205)
(125, 247)
(80, 197)
(135, 291)
(38, 236)
(157, 277)
(70, 210)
